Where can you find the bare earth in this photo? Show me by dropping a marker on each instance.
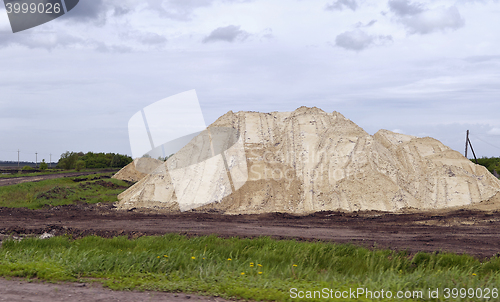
(461, 231)
(17, 290)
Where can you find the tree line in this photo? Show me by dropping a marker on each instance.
(90, 160)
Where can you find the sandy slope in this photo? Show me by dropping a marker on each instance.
(137, 169)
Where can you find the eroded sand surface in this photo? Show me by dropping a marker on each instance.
(310, 160)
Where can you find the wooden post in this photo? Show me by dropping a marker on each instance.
(466, 142)
(472, 151)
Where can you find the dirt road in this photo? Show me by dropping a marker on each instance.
(17, 290)
(18, 180)
(461, 231)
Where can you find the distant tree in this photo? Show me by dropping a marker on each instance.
(80, 164)
(68, 160)
(27, 168)
(43, 165)
(116, 161)
(146, 156)
(125, 160)
(165, 158)
(93, 160)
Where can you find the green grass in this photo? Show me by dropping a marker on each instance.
(257, 269)
(61, 191)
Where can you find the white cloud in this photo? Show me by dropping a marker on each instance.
(229, 33)
(177, 9)
(434, 20)
(47, 40)
(420, 20)
(368, 24)
(354, 40)
(405, 8)
(358, 40)
(494, 131)
(342, 4)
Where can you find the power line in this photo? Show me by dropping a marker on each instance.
(24, 153)
(488, 133)
(487, 142)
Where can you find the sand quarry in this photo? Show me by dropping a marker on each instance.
(307, 161)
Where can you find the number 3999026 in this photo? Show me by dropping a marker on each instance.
(33, 8)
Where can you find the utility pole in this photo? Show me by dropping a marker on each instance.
(36, 159)
(18, 159)
(467, 141)
(50, 161)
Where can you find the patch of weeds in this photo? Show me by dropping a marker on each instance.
(55, 193)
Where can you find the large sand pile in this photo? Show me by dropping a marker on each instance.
(309, 160)
(138, 169)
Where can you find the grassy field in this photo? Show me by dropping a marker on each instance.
(257, 269)
(62, 191)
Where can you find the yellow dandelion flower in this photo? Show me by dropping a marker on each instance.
(242, 274)
(260, 273)
(474, 274)
(295, 265)
(193, 257)
(165, 256)
(259, 265)
(158, 257)
(203, 258)
(229, 259)
(251, 265)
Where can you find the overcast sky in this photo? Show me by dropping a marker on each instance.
(425, 68)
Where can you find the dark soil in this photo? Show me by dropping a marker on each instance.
(102, 183)
(462, 231)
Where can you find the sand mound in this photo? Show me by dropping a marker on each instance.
(138, 169)
(309, 160)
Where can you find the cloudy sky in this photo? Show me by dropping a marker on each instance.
(425, 68)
